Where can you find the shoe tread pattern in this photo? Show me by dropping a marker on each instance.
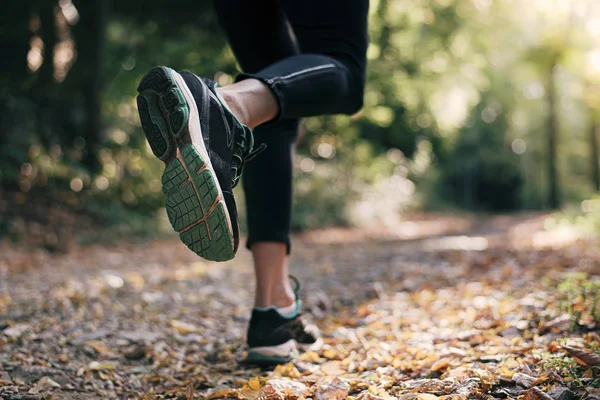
(194, 207)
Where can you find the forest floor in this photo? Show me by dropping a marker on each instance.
(438, 306)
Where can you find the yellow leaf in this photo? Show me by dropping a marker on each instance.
(183, 327)
(97, 366)
(440, 364)
(330, 353)
(426, 396)
(332, 368)
(220, 393)
(254, 384)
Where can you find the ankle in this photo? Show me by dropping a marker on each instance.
(235, 105)
(280, 301)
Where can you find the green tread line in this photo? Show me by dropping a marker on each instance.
(185, 208)
(260, 359)
(190, 188)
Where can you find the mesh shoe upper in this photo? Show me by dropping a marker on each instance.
(269, 328)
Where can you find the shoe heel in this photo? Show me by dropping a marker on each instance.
(163, 111)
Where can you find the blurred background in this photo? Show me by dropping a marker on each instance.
(477, 105)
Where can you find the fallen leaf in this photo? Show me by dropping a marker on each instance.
(335, 390)
(220, 393)
(90, 336)
(184, 328)
(536, 394)
(418, 396)
(43, 385)
(189, 392)
(440, 365)
(254, 384)
(560, 393)
(98, 366)
(523, 380)
(366, 395)
(332, 368)
(582, 357)
(287, 387)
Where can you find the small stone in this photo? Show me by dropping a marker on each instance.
(5, 378)
(86, 337)
(140, 336)
(15, 332)
(33, 373)
(135, 352)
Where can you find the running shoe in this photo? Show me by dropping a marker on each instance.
(204, 148)
(276, 339)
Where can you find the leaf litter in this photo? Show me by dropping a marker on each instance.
(402, 318)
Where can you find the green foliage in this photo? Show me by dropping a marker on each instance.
(456, 102)
(579, 296)
(480, 172)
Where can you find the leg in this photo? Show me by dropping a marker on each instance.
(267, 179)
(268, 186)
(329, 81)
(328, 78)
(287, 84)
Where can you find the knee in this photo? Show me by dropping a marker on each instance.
(356, 91)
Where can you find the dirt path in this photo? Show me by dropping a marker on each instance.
(440, 305)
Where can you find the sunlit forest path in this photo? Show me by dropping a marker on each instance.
(441, 305)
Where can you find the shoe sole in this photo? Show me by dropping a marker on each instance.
(195, 204)
(272, 355)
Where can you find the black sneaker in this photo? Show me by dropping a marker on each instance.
(204, 148)
(274, 339)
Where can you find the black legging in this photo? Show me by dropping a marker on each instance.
(312, 54)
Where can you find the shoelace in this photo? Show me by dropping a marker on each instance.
(242, 153)
(296, 284)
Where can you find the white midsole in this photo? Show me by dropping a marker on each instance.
(286, 349)
(311, 347)
(198, 141)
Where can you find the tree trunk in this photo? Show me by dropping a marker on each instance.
(90, 50)
(552, 132)
(47, 10)
(14, 44)
(593, 143)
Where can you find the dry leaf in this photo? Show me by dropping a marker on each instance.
(44, 384)
(220, 393)
(287, 387)
(440, 365)
(254, 384)
(585, 358)
(98, 366)
(523, 380)
(366, 395)
(184, 328)
(536, 394)
(189, 392)
(332, 368)
(336, 390)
